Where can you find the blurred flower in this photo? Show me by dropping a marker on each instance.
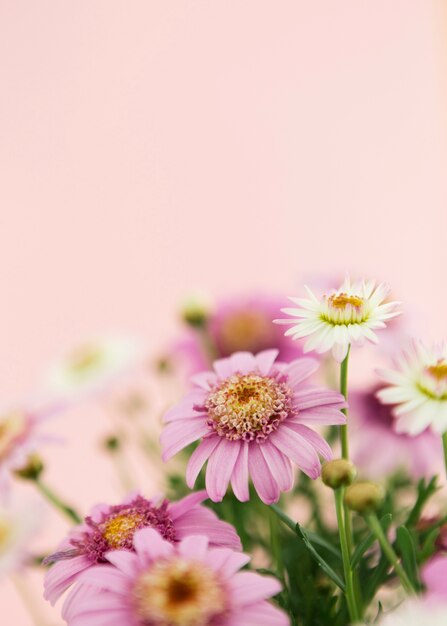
(161, 584)
(251, 413)
(92, 366)
(348, 316)
(418, 386)
(237, 324)
(113, 527)
(18, 524)
(373, 421)
(20, 438)
(420, 612)
(434, 577)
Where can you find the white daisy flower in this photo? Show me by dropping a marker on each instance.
(91, 366)
(416, 613)
(19, 523)
(419, 389)
(348, 315)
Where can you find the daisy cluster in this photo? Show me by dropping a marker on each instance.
(249, 533)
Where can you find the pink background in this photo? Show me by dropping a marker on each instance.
(152, 149)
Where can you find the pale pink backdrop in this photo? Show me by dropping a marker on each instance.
(149, 149)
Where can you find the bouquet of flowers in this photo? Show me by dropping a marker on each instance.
(289, 499)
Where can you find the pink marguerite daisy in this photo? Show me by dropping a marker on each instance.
(161, 584)
(113, 527)
(434, 577)
(253, 415)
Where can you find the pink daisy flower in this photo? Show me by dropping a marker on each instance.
(239, 324)
(373, 421)
(113, 527)
(253, 415)
(161, 584)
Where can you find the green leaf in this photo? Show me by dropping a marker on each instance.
(365, 545)
(407, 551)
(428, 547)
(323, 543)
(425, 492)
(319, 559)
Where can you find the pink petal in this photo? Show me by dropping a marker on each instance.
(279, 466)
(199, 457)
(243, 362)
(125, 561)
(226, 562)
(261, 614)
(313, 396)
(223, 368)
(205, 380)
(297, 449)
(220, 467)
(324, 415)
(62, 574)
(177, 509)
(149, 545)
(177, 435)
(194, 546)
(318, 442)
(203, 521)
(239, 478)
(264, 483)
(248, 587)
(265, 360)
(105, 577)
(299, 370)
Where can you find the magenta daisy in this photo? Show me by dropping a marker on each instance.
(161, 584)
(113, 527)
(348, 315)
(253, 416)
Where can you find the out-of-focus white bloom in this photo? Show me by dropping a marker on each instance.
(418, 388)
(348, 315)
(421, 612)
(92, 366)
(18, 525)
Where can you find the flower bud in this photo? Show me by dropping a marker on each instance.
(195, 313)
(364, 497)
(32, 469)
(338, 473)
(112, 444)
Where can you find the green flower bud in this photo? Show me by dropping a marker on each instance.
(364, 497)
(338, 473)
(195, 313)
(112, 444)
(32, 469)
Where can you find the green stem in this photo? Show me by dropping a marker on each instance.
(387, 548)
(444, 445)
(344, 391)
(275, 540)
(67, 510)
(351, 599)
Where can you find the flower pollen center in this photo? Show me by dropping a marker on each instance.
(5, 534)
(248, 406)
(118, 530)
(439, 370)
(245, 330)
(342, 309)
(176, 592)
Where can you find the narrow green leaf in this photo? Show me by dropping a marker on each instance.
(365, 545)
(428, 547)
(425, 492)
(407, 551)
(319, 559)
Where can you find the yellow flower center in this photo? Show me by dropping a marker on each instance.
(245, 330)
(342, 300)
(12, 427)
(248, 406)
(5, 534)
(178, 593)
(118, 530)
(84, 359)
(439, 370)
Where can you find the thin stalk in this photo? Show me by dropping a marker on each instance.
(275, 541)
(444, 445)
(59, 504)
(344, 390)
(387, 548)
(351, 599)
